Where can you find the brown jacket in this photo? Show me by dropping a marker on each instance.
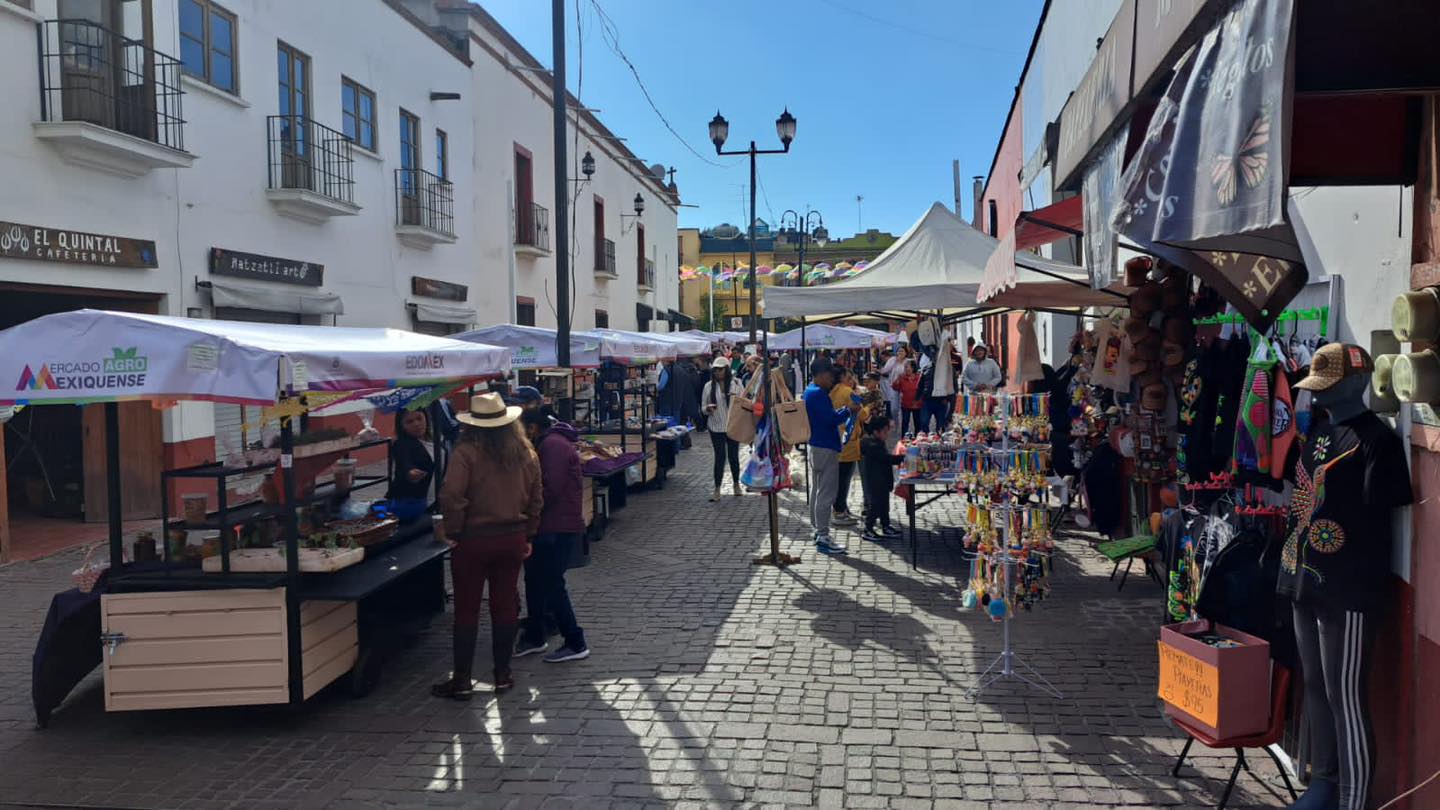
(482, 499)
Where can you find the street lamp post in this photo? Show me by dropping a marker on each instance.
(719, 132)
(802, 231)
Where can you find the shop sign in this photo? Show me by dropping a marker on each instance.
(1189, 684)
(75, 247)
(435, 288)
(265, 268)
(1100, 96)
(1160, 27)
(124, 368)
(1207, 189)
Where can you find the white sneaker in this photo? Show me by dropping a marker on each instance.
(843, 519)
(715, 496)
(829, 545)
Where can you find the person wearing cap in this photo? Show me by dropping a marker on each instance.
(825, 423)
(526, 397)
(491, 503)
(715, 402)
(1350, 474)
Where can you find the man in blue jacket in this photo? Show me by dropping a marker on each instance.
(825, 424)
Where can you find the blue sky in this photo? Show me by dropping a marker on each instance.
(886, 95)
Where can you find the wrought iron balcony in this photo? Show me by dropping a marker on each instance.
(311, 169)
(532, 230)
(109, 101)
(605, 259)
(424, 207)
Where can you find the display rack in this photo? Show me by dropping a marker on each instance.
(634, 400)
(226, 516)
(1011, 667)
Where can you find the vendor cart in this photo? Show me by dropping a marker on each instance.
(239, 626)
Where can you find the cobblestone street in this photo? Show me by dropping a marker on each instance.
(838, 683)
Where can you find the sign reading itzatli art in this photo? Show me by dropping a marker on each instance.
(1207, 190)
(75, 247)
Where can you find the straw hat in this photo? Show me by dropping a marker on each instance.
(489, 411)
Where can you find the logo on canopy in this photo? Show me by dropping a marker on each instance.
(124, 368)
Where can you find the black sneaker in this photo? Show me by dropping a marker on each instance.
(567, 653)
(890, 532)
(526, 647)
(873, 536)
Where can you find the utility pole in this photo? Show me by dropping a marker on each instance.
(955, 174)
(859, 219)
(562, 187)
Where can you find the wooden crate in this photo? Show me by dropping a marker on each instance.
(189, 649)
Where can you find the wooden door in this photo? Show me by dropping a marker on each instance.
(141, 453)
(293, 72)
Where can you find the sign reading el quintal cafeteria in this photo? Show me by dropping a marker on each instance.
(76, 247)
(1189, 684)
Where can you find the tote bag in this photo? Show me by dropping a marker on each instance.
(740, 421)
(789, 412)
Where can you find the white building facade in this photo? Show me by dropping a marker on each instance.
(335, 162)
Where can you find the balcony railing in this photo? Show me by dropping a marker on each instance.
(605, 259)
(425, 200)
(532, 227)
(309, 156)
(92, 74)
(647, 274)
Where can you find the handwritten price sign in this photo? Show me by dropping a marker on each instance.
(1189, 684)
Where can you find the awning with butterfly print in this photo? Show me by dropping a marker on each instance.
(1207, 188)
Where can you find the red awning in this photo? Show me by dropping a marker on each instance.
(1049, 224)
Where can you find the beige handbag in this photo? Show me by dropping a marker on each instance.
(790, 413)
(740, 421)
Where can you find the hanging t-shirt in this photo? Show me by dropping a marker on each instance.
(1112, 358)
(1347, 479)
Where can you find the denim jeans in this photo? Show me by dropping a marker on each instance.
(939, 408)
(545, 592)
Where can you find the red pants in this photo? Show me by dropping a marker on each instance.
(497, 560)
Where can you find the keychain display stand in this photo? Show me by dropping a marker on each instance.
(1006, 665)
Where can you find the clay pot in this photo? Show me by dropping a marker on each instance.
(1382, 386)
(1172, 354)
(1177, 330)
(1416, 315)
(1416, 377)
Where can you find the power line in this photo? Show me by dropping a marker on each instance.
(612, 40)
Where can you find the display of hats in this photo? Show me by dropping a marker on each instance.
(1152, 396)
(1177, 330)
(1382, 385)
(1146, 349)
(1138, 366)
(1135, 327)
(1151, 376)
(1172, 298)
(1172, 354)
(1145, 300)
(1416, 377)
(1137, 270)
(1415, 315)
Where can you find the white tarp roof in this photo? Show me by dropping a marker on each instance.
(826, 336)
(939, 264)
(622, 346)
(96, 356)
(534, 346)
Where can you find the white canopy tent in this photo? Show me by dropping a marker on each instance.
(99, 356)
(621, 346)
(534, 346)
(825, 336)
(939, 264)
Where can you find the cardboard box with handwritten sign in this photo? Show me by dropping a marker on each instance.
(1224, 691)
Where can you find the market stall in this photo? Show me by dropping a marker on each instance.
(314, 598)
